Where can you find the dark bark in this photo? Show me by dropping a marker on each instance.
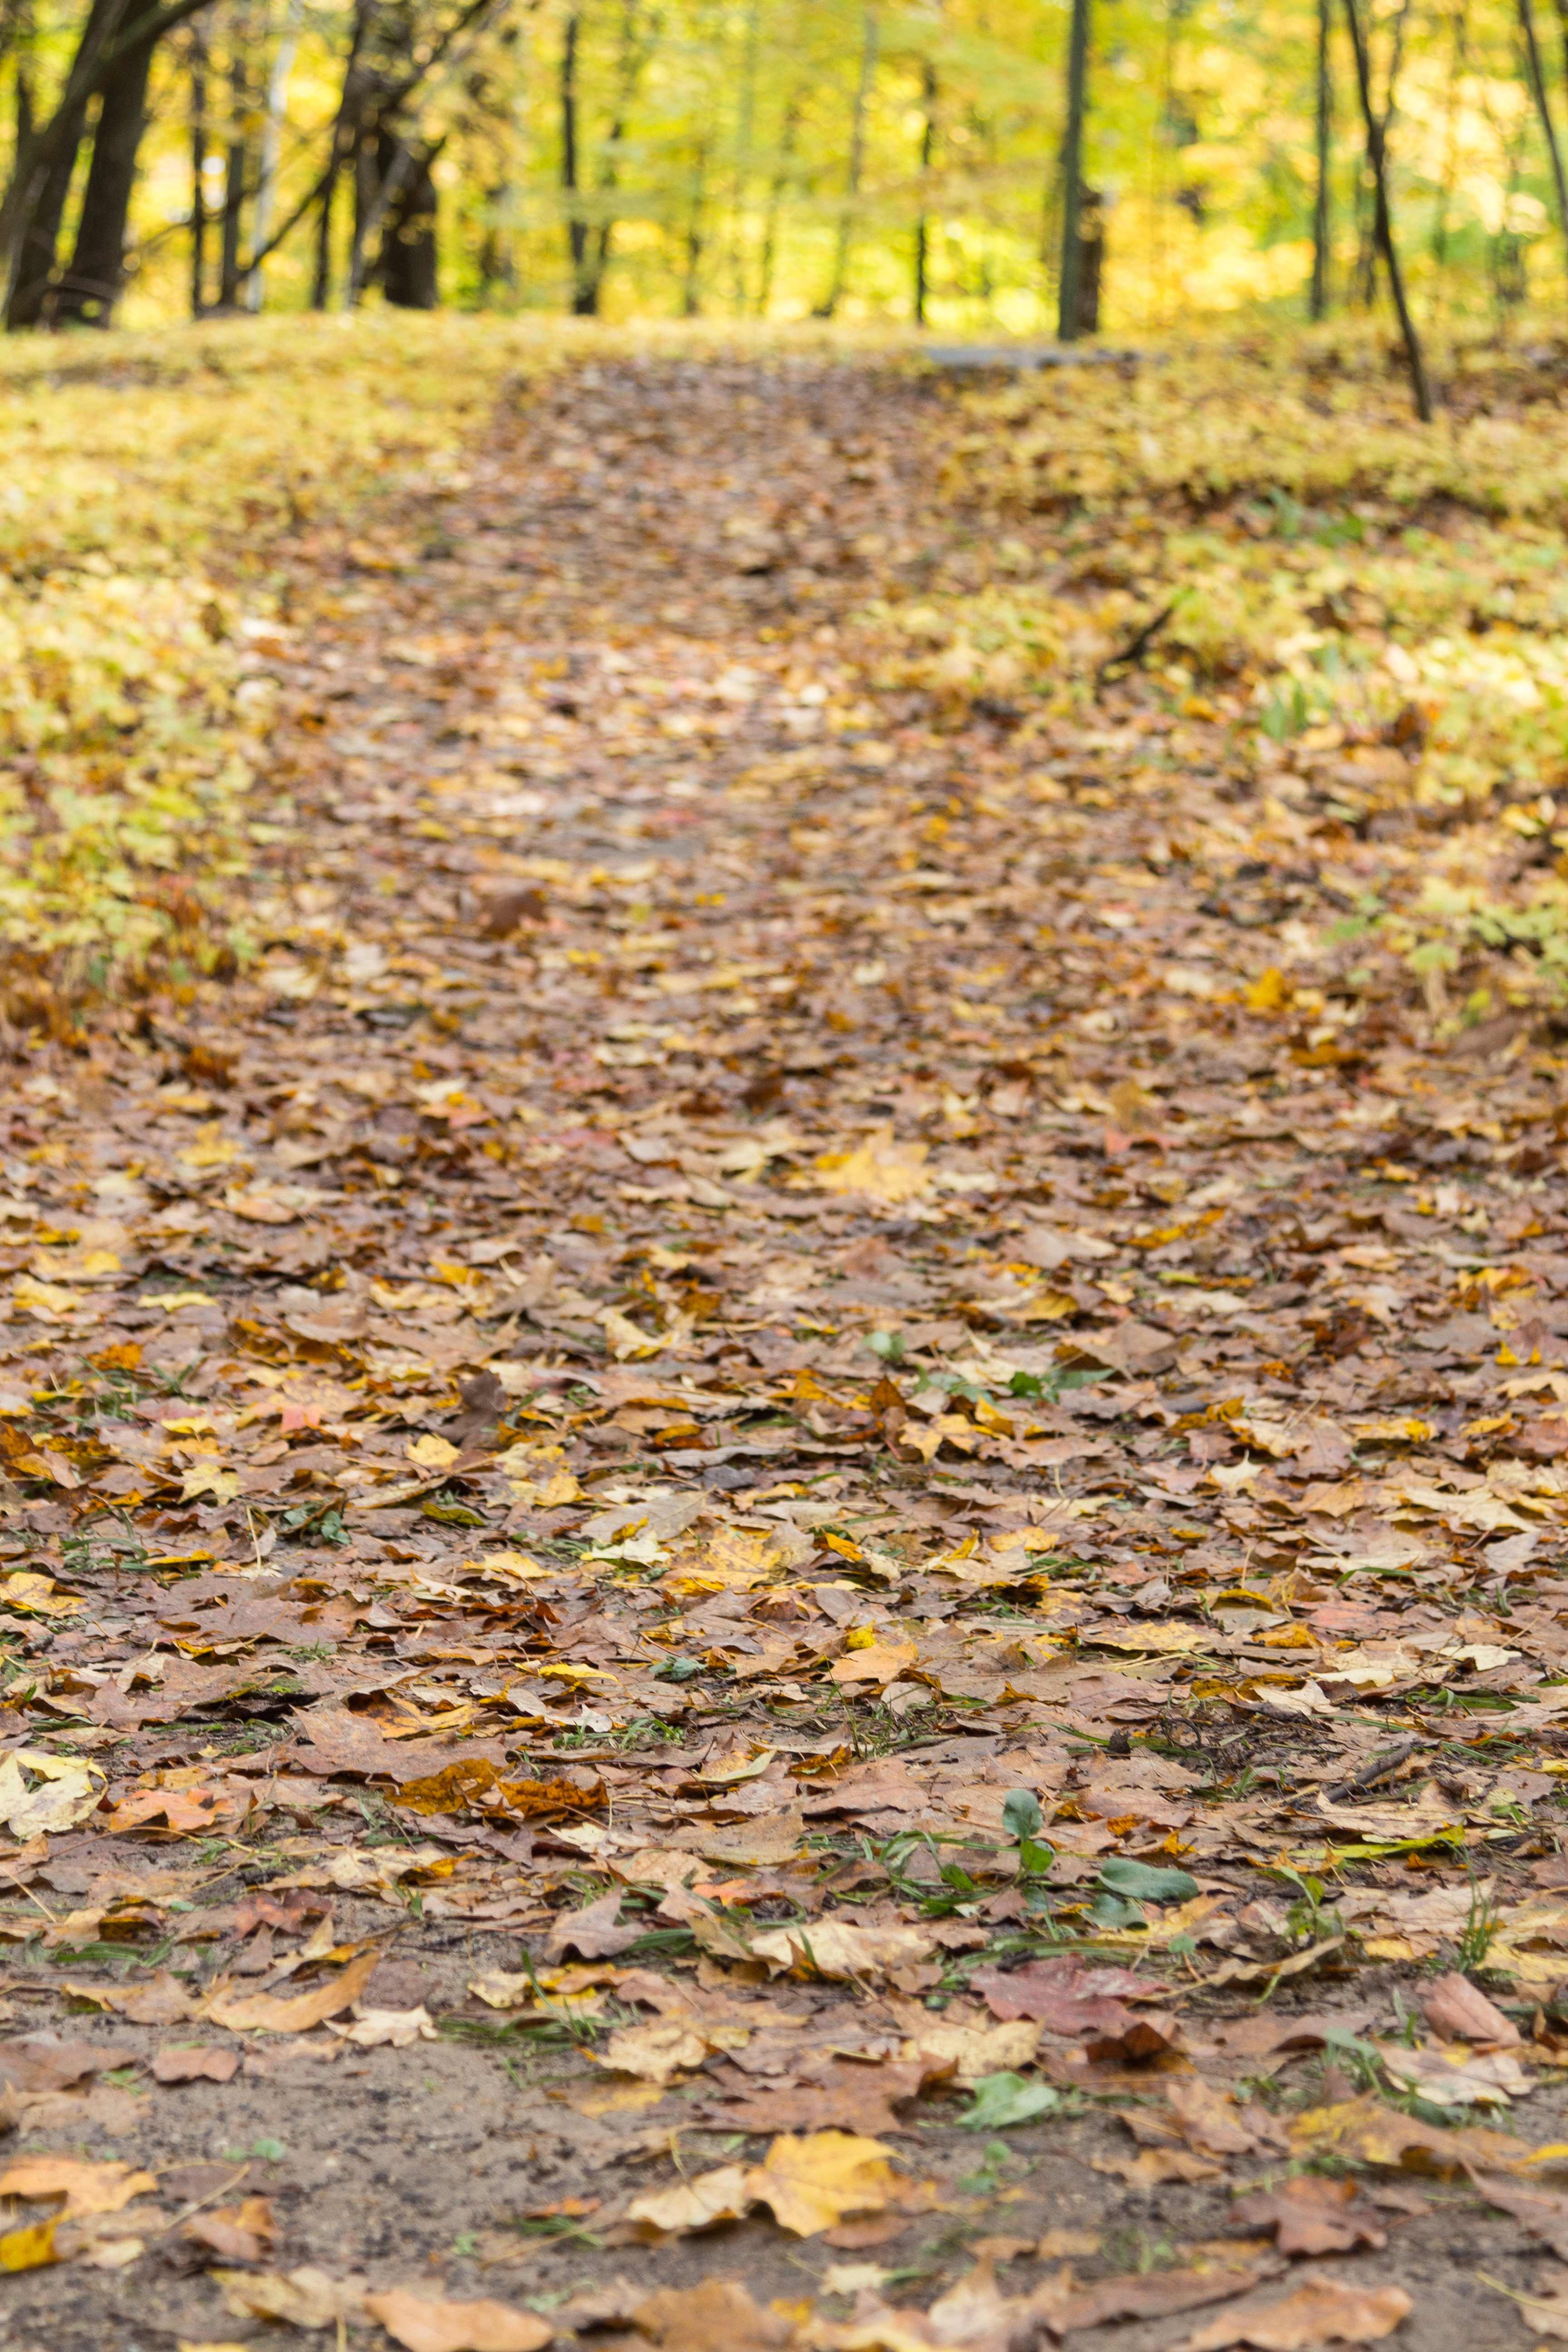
(1382, 223)
(91, 287)
(1319, 300)
(408, 264)
(928, 137)
(237, 158)
(1091, 264)
(342, 145)
(1543, 107)
(1069, 290)
(100, 52)
(198, 182)
(585, 287)
(33, 290)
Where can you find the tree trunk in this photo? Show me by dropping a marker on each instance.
(408, 267)
(343, 141)
(198, 179)
(33, 290)
(869, 43)
(91, 287)
(1543, 107)
(1383, 223)
(584, 289)
(691, 291)
(1070, 311)
(928, 136)
(236, 159)
(1318, 303)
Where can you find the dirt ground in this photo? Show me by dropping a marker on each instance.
(604, 1286)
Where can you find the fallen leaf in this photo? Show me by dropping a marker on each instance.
(829, 1948)
(263, 2013)
(812, 2183)
(307, 2297)
(211, 2063)
(1311, 2216)
(426, 2326)
(968, 2052)
(1323, 2312)
(1454, 2008)
(44, 1795)
(717, 2317)
(84, 2188)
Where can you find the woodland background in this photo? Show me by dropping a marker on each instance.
(777, 159)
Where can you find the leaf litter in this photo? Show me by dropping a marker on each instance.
(795, 1500)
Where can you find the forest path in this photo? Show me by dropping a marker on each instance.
(477, 1523)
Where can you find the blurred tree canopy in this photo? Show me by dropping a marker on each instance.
(780, 158)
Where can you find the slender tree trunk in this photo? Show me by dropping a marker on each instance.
(1319, 301)
(788, 132)
(1543, 107)
(1383, 220)
(236, 157)
(928, 137)
(585, 292)
(1069, 290)
(691, 291)
(869, 42)
(344, 137)
(91, 287)
(198, 173)
(272, 146)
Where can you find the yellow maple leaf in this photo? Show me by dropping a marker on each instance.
(431, 1453)
(49, 1301)
(813, 2182)
(879, 1167)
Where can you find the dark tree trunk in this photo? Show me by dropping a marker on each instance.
(1319, 300)
(33, 289)
(928, 139)
(1069, 290)
(585, 289)
(91, 286)
(236, 172)
(1543, 108)
(1091, 262)
(198, 181)
(1383, 218)
(408, 249)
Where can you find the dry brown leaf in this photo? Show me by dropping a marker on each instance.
(1311, 2216)
(263, 2013)
(307, 2297)
(717, 2317)
(211, 2064)
(1454, 2008)
(422, 2324)
(1323, 2312)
